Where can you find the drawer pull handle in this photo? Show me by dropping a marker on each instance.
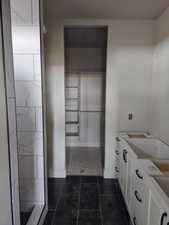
(164, 215)
(117, 152)
(134, 221)
(117, 139)
(116, 169)
(137, 197)
(138, 174)
(124, 155)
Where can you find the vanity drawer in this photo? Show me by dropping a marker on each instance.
(116, 166)
(140, 196)
(140, 208)
(139, 178)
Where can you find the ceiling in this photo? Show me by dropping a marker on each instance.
(105, 9)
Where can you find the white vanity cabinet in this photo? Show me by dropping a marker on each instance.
(117, 158)
(130, 176)
(126, 172)
(159, 202)
(139, 196)
(145, 190)
(123, 166)
(159, 214)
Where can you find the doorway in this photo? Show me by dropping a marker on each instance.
(85, 79)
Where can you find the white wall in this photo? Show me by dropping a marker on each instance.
(54, 57)
(160, 84)
(133, 44)
(129, 70)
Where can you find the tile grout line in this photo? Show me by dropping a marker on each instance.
(57, 203)
(78, 211)
(90, 210)
(100, 207)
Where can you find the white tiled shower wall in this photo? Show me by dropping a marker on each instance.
(11, 111)
(27, 69)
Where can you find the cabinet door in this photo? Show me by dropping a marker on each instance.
(129, 181)
(140, 196)
(117, 160)
(158, 214)
(138, 214)
(123, 169)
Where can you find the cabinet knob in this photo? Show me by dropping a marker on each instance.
(117, 139)
(134, 221)
(116, 169)
(137, 197)
(164, 215)
(138, 175)
(117, 152)
(125, 155)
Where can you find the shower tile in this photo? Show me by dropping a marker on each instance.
(22, 14)
(28, 93)
(23, 67)
(16, 202)
(39, 167)
(26, 206)
(32, 190)
(31, 166)
(30, 142)
(27, 166)
(26, 119)
(39, 122)
(35, 12)
(22, 35)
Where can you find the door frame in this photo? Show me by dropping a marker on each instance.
(98, 24)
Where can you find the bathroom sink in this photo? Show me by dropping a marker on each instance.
(149, 148)
(137, 136)
(134, 134)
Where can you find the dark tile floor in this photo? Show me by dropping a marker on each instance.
(85, 201)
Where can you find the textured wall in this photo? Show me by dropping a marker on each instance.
(160, 84)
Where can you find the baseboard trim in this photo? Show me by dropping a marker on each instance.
(108, 174)
(59, 174)
(90, 145)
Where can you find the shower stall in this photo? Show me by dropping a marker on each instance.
(25, 99)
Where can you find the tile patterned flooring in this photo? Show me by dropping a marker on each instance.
(81, 200)
(84, 161)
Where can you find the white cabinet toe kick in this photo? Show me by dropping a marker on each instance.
(145, 187)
